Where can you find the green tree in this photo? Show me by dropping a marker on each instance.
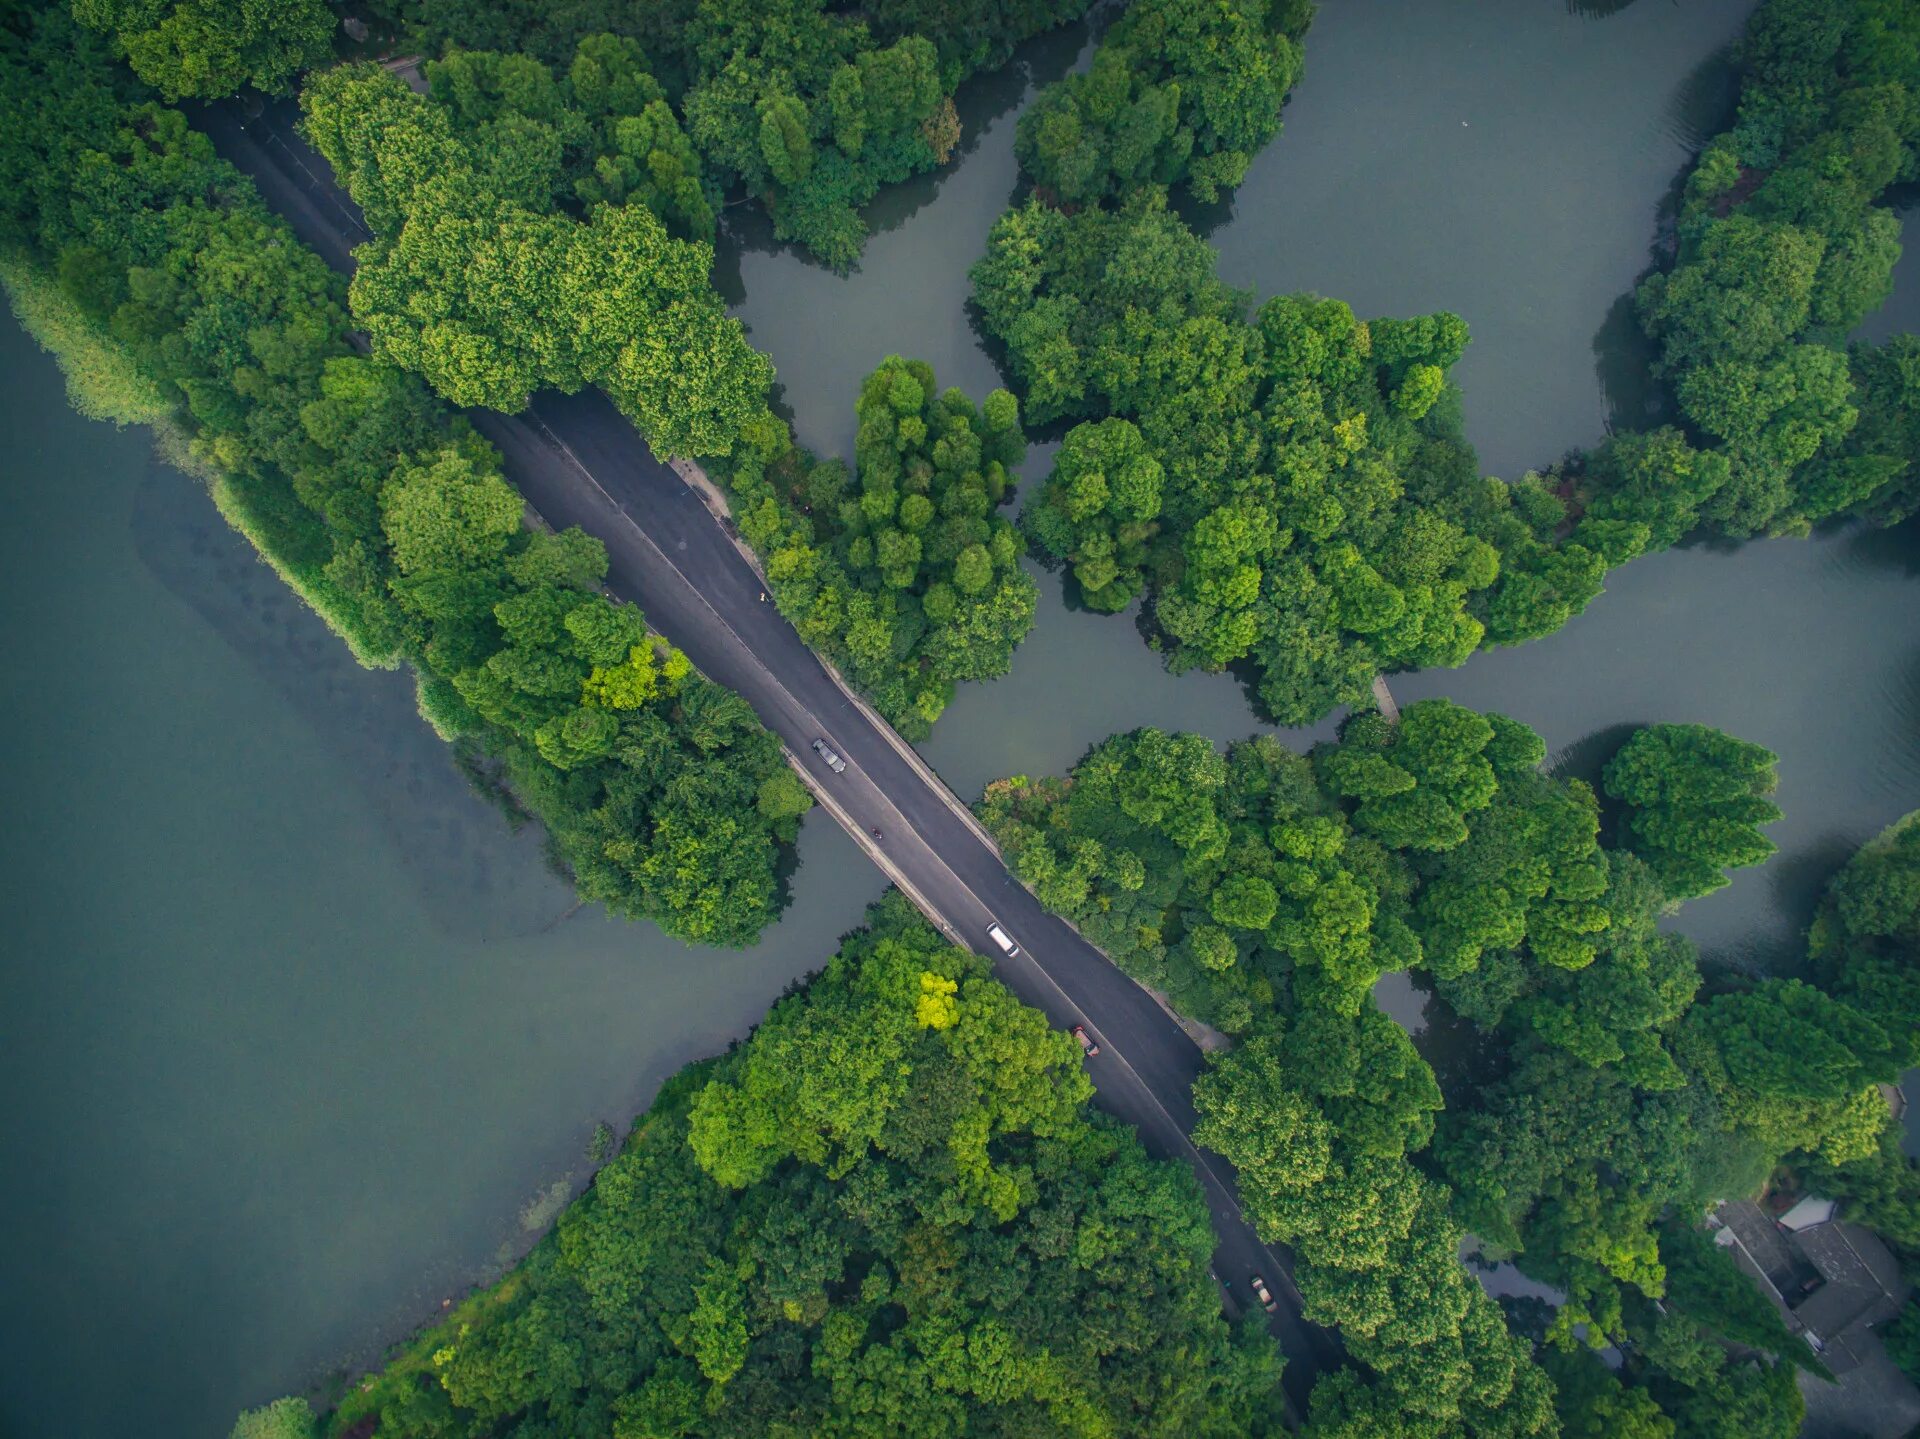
(909, 1271)
(1695, 800)
(196, 49)
(282, 1419)
(1098, 511)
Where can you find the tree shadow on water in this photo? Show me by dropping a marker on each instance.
(1588, 755)
(1895, 551)
(1623, 359)
(1598, 9)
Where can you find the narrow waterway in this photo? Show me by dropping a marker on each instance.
(295, 1031)
(298, 1036)
(1509, 161)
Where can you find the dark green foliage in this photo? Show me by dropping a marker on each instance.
(1414, 783)
(1792, 1068)
(202, 49)
(1100, 511)
(901, 573)
(1179, 92)
(1317, 1119)
(1593, 1404)
(650, 777)
(1318, 515)
(1605, 1114)
(806, 106)
(1614, 1009)
(1655, 481)
(1594, 1158)
(383, 509)
(1875, 473)
(970, 35)
(1214, 879)
(1695, 800)
(1751, 1400)
(478, 282)
(1902, 1336)
(1721, 1297)
(1866, 939)
(1432, 844)
(889, 1212)
(1782, 251)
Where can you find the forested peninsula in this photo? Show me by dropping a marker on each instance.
(889, 1212)
(176, 299)
(1619, 1091)
(891, 1208)
(1290, 486)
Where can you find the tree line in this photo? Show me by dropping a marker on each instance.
(1289, 486)
(481, 281)
(801, 105)
(890, 1211)
(807, 107)
(1780, 250)
(1617, 1093)
(177, 297)
(899, 571)
(535, 229)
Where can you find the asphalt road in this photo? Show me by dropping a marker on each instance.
(578, 461)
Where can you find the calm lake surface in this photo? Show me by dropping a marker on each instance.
(294, 1031)
(297, 1037)
(1509, 161)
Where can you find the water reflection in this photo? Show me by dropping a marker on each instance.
(481, 875)
(1585, 757)
(1703, 104)
(1865, 548)
(1623, 359)
(1901, 314)
(1597, 9)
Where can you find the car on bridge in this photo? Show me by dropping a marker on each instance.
(1086, 1040)
(831, 755)
(1002, 939)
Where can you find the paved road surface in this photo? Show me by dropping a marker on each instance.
(579, 462)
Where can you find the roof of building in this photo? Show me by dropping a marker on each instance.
(1808, 1211)
(1762, 1244)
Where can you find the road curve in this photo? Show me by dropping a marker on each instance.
(578, 461)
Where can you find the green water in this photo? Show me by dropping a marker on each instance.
(295, 1029)
(292, 1027)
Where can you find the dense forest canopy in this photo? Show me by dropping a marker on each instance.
(1619, 1093)
(1783, 248)
(1179, 92)
(900, 571)
(871, 1217)
(661, 792)
(201, 49)
(1289, 487)
(808, 107)
(484, 282)
(889, 1212)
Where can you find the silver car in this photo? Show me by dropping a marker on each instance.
(832, 756)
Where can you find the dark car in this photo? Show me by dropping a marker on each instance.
(832, 756)
(1263, 1294)
(1086, 1040)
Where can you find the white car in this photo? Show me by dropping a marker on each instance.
(1000, 937)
